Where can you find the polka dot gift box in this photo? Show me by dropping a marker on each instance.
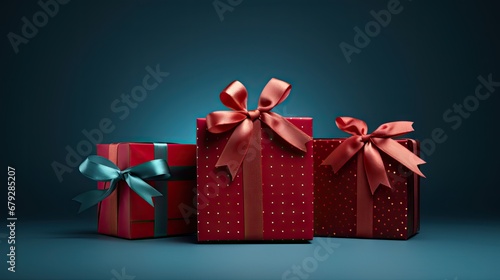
(367, 185)
(255, 170)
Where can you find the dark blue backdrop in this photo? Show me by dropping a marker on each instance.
(72, 73)
(428, 57)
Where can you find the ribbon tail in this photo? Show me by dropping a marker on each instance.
(374, 168)
(91, 198)
(236, 148)
(343, 153)
(286, 130)
(400, 153)
(143, 189)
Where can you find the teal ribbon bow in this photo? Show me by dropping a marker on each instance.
(101, 169)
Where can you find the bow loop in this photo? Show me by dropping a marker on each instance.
(352, 126)
(275, 92)
(234, 96)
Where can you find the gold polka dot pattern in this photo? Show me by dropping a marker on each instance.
(395, 212)
(287, 179)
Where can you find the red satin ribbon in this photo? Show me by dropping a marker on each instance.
(371, 170)
(234, 96)
(369, 145)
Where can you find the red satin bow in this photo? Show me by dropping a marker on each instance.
(234, 96)
(380, 139)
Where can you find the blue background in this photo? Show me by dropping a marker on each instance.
(424, 61)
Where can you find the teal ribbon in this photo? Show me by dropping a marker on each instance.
(101, 169)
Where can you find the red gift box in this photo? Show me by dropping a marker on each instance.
(370, 193)
(264, 190)
(125, 214)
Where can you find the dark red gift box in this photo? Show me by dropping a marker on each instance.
(350, 203)
(268, 197)
(125, 214)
